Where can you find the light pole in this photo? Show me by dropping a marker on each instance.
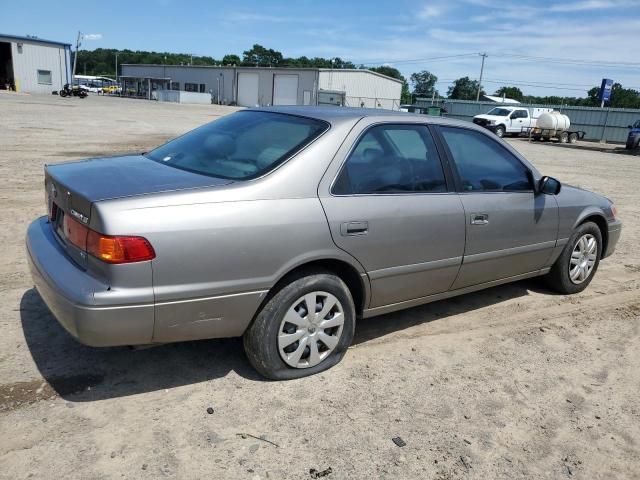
(116, 67)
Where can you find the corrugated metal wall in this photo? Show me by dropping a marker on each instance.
(226, 77)
(362, 88)
(34, 56)
(590, 119)
(211, 77)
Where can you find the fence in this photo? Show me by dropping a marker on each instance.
(608, 124)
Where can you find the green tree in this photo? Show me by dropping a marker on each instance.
(405, 95)
(424, 84)
(624, 97)
(464, 89)
(260, 56)
(510, 92)
(231, 59)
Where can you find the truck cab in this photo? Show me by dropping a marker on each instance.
(503, 120)
(633, 139)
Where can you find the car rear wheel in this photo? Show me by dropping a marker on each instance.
(305, 328)
(578, 262)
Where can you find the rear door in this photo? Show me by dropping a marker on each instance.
(511, 231)
(389, 205)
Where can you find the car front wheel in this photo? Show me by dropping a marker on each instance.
(577, 264)
(500, 131)
(305, 328)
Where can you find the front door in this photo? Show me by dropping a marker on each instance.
(511, 230)
(390, 207)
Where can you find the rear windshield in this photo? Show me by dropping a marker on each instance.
(240, 146)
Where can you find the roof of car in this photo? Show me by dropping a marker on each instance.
(338, 114)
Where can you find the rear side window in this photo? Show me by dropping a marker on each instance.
(392, 159)
(483, 164)
(240, 146)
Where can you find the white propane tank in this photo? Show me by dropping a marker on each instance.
(553, 121)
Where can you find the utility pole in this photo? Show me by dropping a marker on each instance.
(75, 57)
(483, 55)
(116, 67)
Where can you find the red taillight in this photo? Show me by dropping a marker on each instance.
(75, 232)
(119, 249)
(108, 248)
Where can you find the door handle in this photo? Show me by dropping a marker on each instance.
(354, 228)
(479, 219)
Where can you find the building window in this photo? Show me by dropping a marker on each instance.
(190, 87)
(203, 88)
(175, 85)
(44, 77)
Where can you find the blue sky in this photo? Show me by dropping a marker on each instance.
(581, 41)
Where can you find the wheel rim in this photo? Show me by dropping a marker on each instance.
(583, 258)
(500, 132)
(310, 330)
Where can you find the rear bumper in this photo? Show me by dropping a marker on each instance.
(69, 292)
(615, 230)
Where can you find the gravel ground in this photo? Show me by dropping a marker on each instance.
(512, 382)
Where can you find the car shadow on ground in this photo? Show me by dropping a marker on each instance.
(80, 374)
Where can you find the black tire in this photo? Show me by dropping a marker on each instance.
(261, 338)
(563, 137)
(558, 278)
(500, 131)
(573, 138)
(62, 93)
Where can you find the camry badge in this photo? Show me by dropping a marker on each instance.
(79, 216)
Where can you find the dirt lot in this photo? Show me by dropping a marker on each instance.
(513, 382)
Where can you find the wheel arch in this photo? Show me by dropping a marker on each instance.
(353, 276)
(600, 220)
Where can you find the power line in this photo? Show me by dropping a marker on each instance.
(419, 60)
(570, 61)
(556, 60)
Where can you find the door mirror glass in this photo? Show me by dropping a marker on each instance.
(549, 186)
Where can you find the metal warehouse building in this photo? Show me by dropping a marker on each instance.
(33, 65)
(251, 86)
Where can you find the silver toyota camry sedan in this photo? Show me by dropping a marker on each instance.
(286, 225)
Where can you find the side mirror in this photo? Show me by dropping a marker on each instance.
(629, 126)
(549, 186)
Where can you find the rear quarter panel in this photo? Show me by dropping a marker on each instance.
(220, 250)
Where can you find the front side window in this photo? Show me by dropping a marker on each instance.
(240, 146)
(392, 159)
(483, 164)
(44, 77)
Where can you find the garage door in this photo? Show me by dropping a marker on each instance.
(248, 89)
(285, 90)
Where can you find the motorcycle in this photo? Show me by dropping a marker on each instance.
(74, 90)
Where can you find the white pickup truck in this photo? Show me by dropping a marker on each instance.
(503, 120)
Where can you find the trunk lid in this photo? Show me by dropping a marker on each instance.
(71, 188)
